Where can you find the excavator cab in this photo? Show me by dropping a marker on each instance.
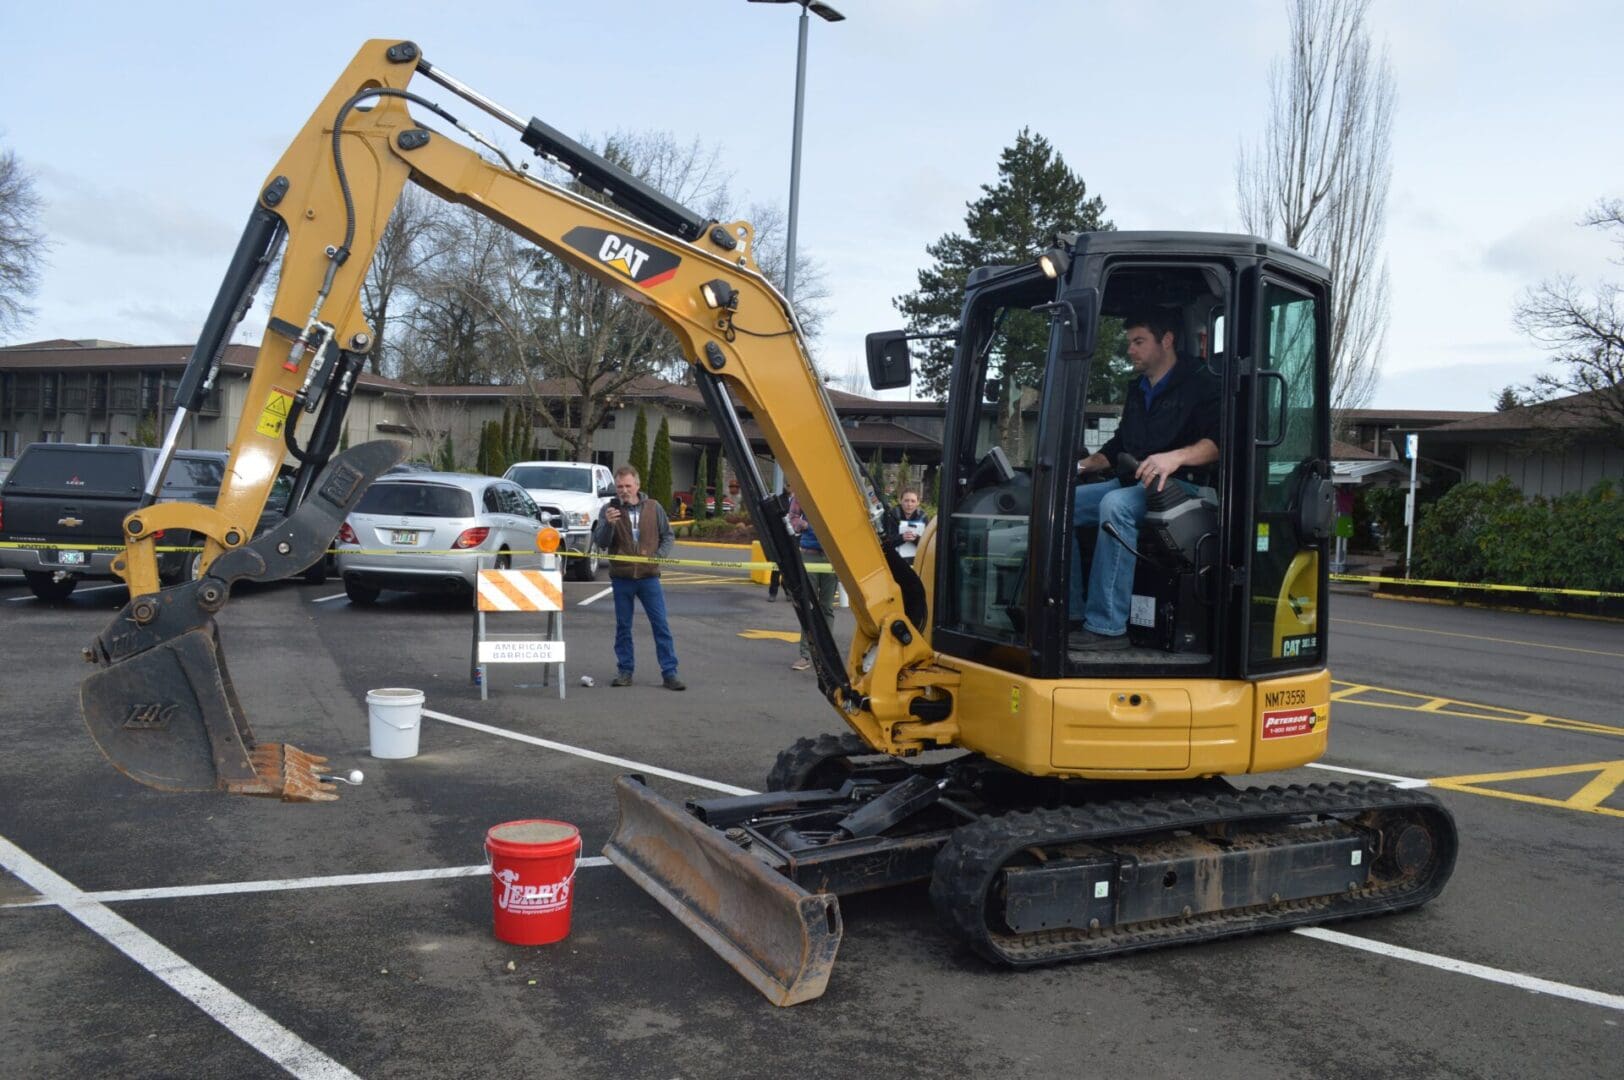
(1039, 383)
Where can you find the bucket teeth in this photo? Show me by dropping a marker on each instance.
(288, 773)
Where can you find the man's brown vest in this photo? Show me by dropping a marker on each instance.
(646, 544)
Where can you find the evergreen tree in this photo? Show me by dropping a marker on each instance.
(659, 470)
(701, 481)
(876, 470)
(519, 445)
(447, 460)
(492, 460)
(505, 437)
(1012, 222)
(639, 457)
(904, 473)
(146, 431)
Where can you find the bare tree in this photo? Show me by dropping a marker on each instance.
(414, 237)
(1585, 331)
(1319, 180)
(22, 244)
(457, 298)
(771, 225)
(433, 421)
(445, 327)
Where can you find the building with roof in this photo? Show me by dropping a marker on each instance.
(1373, 429)
(1550, 448)
(101, 392)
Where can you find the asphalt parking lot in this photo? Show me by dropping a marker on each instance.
(204, 936)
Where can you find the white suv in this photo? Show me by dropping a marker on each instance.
(571, 495)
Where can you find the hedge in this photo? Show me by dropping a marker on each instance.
(1490, 533)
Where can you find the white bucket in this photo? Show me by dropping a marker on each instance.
(395, 715)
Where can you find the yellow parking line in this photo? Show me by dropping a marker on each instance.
(1479, 637)
(1358, 694)
(1588, 799)
(771, 635)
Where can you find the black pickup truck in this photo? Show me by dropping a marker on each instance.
(60, 494)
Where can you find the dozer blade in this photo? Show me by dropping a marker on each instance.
(770, 930)
(164, 710)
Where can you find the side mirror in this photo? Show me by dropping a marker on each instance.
(889, 366)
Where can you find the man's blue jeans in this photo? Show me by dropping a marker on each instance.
(648, 592)
(1110, 580)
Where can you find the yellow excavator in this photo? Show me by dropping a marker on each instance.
(1062, 801)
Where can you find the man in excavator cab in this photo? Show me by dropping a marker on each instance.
(1061, 802)
(1170, 427)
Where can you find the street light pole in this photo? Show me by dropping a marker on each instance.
(828, 14)
(795, 162)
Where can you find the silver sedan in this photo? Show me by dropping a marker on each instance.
(434, 532)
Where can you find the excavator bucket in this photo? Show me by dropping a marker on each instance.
(163, 708)
(169, 718)
(770, 930)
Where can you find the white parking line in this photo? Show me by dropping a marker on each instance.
(237, 1016)
(591, 755)
(324, 599)
(1405, 782)
(229, 888)
(1463, 967)
(596, 596)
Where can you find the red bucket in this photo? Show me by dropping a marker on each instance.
(532, 879)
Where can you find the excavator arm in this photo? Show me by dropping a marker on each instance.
(163, 708)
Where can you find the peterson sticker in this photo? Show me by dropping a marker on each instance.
(1289, 722)
(644, 265)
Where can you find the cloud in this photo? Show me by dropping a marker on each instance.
(1472, 386)
(127, 222)
(159, 322)
(1549, 245)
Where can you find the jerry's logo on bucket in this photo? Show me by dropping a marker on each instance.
(532, 899)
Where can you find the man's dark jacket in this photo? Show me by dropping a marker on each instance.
(1183, 411)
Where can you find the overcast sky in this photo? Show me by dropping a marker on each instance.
(149, 128)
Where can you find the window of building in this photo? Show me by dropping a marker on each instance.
(604, 457)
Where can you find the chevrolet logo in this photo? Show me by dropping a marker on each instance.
(70, 522)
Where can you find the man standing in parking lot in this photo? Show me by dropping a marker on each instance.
(633, 525)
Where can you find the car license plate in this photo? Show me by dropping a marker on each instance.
(402, 536)
(71, 558)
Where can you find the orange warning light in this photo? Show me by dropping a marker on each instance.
(547, 539)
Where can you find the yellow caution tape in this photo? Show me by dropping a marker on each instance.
(815, 568)
(1476, 585)
(823, 567)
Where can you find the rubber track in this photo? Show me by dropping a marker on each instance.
(969, 864)
(796, 765)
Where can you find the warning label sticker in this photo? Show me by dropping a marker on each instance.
(275, 416)
(1289, 722)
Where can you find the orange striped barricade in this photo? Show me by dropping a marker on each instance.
(517, 592)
